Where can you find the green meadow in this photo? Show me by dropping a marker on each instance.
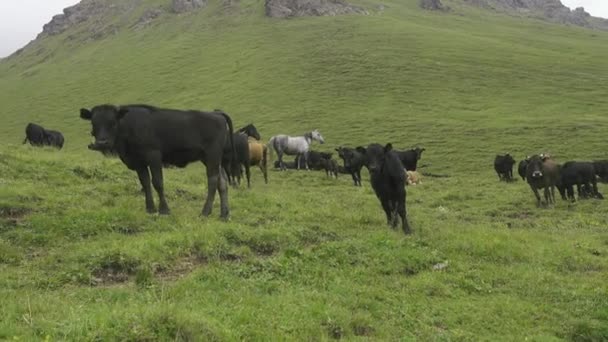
(307, 257)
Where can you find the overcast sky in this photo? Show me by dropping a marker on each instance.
(22, 20)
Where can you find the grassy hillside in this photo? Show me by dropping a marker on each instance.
(305, 257)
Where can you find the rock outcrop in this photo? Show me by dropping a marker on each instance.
(433, 5)
(73, 15)
(301, 8)
(551, 10)
(181, 6)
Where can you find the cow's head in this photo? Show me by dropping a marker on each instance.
(104, 119)
(508, 159)
(348, 155)
(375, 156)
(325, 155)
(535, 167)
(419, 151)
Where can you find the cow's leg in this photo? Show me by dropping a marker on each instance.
(157, 182)
(359, 177)
(388, 210)
(547, 195)
(213, 174)
(354, 175)
(223, 190)
(144, 179)
(570, 192)
(402, 210)
(536, 194)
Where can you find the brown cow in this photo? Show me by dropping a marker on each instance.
(543, 172)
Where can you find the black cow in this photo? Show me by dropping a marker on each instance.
(54, 138)
(581, 174)
(388, 181)
(288, 165)
(601, 169)
(354, 159)
(521, 167)
(39, 136)
(315, 159)
(409, 158)
(147, 137)
(503, 165)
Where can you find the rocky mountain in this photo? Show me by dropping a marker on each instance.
(104, 18)
(551, 10)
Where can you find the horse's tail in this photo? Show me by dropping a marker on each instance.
(270, 145)
(265, 155)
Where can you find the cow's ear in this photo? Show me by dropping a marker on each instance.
(388, 147)
(85, 114)
(360, 149)
(121, 112)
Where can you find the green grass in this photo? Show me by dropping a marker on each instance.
(306, 257)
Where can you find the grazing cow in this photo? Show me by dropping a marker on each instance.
(147, 137)
(413, 177)
(601, 169)
(39, 136)
(409, 158)
(258, 155)
(315, 160)
(354, 159)
(34, 134)
(388, 181)
(54, 138)
(503, 165)
(543, 173)
(581, 174)
(521, 167)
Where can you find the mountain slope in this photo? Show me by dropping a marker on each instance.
(306, 257)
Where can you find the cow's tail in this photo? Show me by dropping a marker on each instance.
(233, 162)
(24, 140)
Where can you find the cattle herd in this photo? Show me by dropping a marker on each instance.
(543, 172)
(148, 138)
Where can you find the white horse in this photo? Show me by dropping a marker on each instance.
(284, 144)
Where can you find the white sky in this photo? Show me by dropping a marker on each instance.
(22, 20)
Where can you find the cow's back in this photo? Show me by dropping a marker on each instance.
(180, 136)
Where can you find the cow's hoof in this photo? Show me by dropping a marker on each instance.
(151, 210)
(164, 211)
